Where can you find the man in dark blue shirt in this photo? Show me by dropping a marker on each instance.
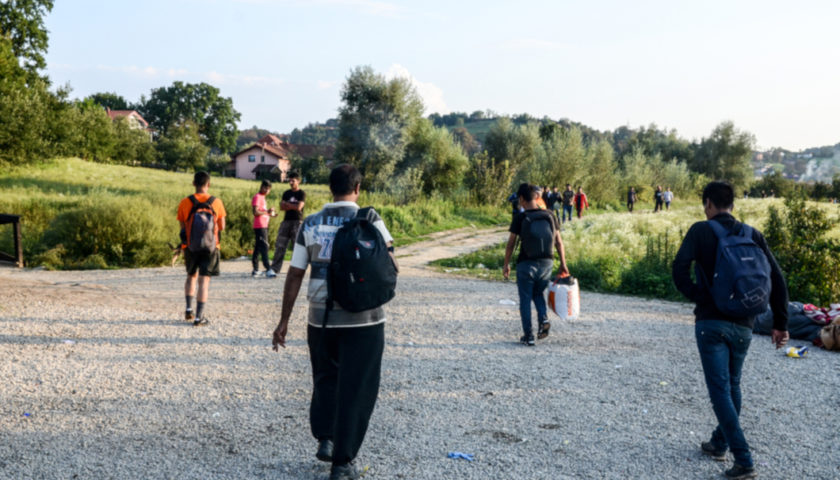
(723, 340)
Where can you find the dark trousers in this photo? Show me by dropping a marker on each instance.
(260, 248)
(658, 206)
(346, 365)
(532, 278)
(630, 206)
(567, 209)
(287, 233)
(723, 347)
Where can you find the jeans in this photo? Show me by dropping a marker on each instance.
(532, 277)
(723, 347)
(567, 209)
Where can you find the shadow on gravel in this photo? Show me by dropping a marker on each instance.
(230, 341)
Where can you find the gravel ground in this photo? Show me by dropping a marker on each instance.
(102, 379)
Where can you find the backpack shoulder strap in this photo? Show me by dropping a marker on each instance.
(719, 229)
(367, 213)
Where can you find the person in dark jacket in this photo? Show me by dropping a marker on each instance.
(723, 340)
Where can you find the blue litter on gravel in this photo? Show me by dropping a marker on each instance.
(465, 456)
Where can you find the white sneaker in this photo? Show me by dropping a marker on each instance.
(270, 273)
(256, 273)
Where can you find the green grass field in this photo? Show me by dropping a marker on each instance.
(78, 214)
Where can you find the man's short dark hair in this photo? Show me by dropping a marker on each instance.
(201, 179)
(265, 184)
(344, 179)
(526, 192)
(292, 175)
(720, 193)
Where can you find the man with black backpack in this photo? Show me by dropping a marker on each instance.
(202, 218)
(349, 250)
(737, 277)
(539, 233)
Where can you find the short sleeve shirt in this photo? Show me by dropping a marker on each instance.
(516, 229)
(314, 247)
(260, 221)
(185, 207)
(294, 197)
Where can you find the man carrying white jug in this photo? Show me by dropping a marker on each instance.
(540, 236)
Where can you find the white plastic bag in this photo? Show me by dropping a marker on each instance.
(564, 298)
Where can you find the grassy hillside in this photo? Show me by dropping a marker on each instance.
(78, 214)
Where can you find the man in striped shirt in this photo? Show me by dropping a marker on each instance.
(346, 354)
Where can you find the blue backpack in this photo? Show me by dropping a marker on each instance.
(741, 283)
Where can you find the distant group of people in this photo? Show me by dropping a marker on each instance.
(660, 198)
(554, 201)
(346, 353)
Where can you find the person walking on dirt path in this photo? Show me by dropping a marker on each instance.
(668, 197)
(346, 353)
(581, 202)
(292, 203)
(513, 199)
(568, 202)
(658, 199)
(631, 199)
(198, 214)
(723, 340)
(556, 202)
(539, 233)
(262, 214)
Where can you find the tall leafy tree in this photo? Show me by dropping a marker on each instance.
(373, 123)
(435, 153)
(725, 155)
(601, 181)
(182, 147)
(515, 144)
(200, 104)
(109, 100)
(22, 22)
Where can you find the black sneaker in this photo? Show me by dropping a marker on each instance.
(738, 472)
(713, 451)
(325, 450)
(543, 331)
(527, 340)
(200, 322)
(189, 316)
(344, 472)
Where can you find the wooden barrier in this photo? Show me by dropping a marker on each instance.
(17, 259)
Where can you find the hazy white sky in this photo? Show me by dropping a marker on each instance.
(770, 66)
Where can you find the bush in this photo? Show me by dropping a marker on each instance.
(810, 261)
(107, 230)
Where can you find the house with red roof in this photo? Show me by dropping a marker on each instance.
(269, 158)
(135, 120)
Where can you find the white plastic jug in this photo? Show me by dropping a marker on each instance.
(564, 297)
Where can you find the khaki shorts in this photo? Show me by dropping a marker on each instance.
(206, 264)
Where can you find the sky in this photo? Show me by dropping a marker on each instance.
(769, 66)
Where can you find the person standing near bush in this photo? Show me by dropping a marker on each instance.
(668, 196)
(202, 218)
(539, 232)
(292, 203)
(568, 202)
(556, 202)
(631, 199)
(724, 338)
(261, 218)
(658, 199)
(581, 202)
(346, 353)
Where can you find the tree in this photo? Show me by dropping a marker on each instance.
(109, 100)
(373, 121)
(199, 104)
(434, 152)
(182, 147)
(25, 104)
(515, 144)
(22, 22)
(601, 181)
(488, 180)
(562, 158)
(464, 138)
(725, 155)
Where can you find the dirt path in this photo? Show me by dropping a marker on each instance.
(449, 244)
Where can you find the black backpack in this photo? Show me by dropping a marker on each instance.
(201, 226)
(362, 274)
(741, 283)
(537, 234)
